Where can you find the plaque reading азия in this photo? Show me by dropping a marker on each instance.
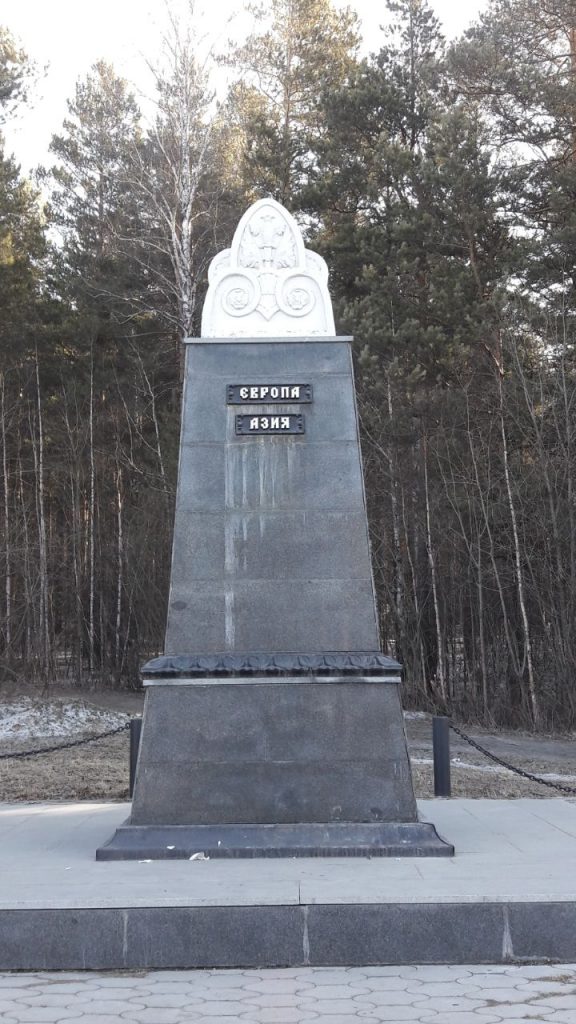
(287, 424)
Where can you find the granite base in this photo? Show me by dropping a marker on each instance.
(273, 766)
(342, 839)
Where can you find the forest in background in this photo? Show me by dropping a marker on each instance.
(439, 182)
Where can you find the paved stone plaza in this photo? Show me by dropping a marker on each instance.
(508, 896)
(367, 995)
(505, 850)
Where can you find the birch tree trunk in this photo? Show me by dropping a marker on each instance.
(441, 671)
(91, 526)
(119, 572)
(7, 539)
(38, 451)
(170, 175)
(518, 564)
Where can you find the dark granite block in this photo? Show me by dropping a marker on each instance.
(270, 545)
(214, 936)
(542, 931)
(199, 540)
(305, 615)
(140, 938)
(203, 793)
(58, 940)
(281, 720)
(290, 473)
(196, 619)
(269, 751)
(202, 724)
(205, 414)
(261, 360)
(345, 935)
(332, 415)
(334, 723)
(201, 478)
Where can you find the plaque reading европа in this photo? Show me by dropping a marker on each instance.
(247, 394)
(287, 424)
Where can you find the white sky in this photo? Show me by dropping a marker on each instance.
(70, 35)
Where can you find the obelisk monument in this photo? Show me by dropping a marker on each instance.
(272, 722)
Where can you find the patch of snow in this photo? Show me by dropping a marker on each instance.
(31, 718)
(413, 715)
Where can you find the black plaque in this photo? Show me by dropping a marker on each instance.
(267, 394)
(288, 423)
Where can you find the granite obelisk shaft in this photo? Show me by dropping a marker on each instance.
(271, 549)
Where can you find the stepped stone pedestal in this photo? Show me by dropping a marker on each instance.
(272, 723)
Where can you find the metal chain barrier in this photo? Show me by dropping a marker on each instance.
(66, 746)
(467, 739)
(512, 768)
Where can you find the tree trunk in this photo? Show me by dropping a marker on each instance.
(441, 670)
(518, 564)
(7, 545)
(91, 526)
(38, 450)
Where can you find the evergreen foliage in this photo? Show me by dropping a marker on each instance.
(306, 49)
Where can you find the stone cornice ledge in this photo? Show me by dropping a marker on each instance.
(240, 339)
(174, 666)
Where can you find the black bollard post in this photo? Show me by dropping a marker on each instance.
(135, 730)
(441, 748)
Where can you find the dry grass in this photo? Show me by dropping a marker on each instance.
(100, 770)
(96, 771)
(480, 785)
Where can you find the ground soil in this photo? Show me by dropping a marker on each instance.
(100, 770)
(97, 770)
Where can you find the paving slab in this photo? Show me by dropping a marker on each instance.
(509, 894)
(314, 995)
(518, 850)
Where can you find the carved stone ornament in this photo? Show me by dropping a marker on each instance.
(372, 663)
(267, 284)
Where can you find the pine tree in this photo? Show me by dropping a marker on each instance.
(114, 412)
(16, 72)
(22, 252)
(408, 200)
(518, 64)
(93, 201)
(22, 238)
(307, 49)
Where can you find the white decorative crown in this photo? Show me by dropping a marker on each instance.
(267, 284)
